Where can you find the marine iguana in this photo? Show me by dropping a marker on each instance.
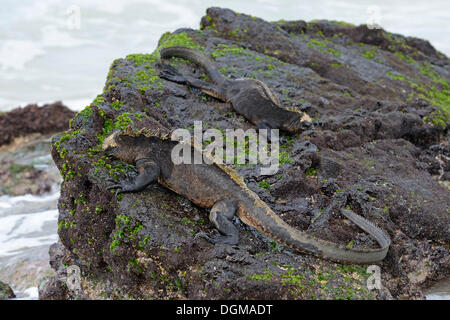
(249, 97)
(221, 189)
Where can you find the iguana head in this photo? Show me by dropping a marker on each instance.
(111, 144)
(129, 145)
(300, 123)
(124, 146)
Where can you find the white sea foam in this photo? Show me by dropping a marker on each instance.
(27, 221)
(14, 54)
(439, 291)
(22, 231)
(438, 296)
(7, 202)
(31, 293)
(78, 104)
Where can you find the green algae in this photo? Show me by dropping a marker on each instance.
(126, 228)
(437, 93)
(370, 54)
(147, 76)
(323, 45)
(223, 49)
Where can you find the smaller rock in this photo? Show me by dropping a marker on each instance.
(19, 122)
(53, 289)
(6, 292)
(296, 27)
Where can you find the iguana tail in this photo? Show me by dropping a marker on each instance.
(260, 216)
(196, 57)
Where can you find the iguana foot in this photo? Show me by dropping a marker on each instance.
(122, 187)
(127, 176)
(217, 238)
(171, 74)
(221, 215)
(111, 180)
(283, 140)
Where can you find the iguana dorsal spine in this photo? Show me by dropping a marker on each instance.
(249, 97)
(223, 190)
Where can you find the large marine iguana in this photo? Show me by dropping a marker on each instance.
(221, 189)
(249, 97)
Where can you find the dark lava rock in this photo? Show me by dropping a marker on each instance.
(6, 292)
(380, 108)
(53, 289)
(49, 118)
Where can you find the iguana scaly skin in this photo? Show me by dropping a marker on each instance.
(249, 97)
(221, 189)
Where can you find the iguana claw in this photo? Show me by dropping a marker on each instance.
(218, 238)
(170, 73)
(203, 235)
(119, 187)
(116, 186)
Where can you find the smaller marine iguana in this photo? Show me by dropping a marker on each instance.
(221, 189)
(249, 97)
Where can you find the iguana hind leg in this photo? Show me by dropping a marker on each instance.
(221, 216)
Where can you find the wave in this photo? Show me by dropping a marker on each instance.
(24, 231)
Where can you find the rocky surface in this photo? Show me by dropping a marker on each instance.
(380, 145)
(6, 292)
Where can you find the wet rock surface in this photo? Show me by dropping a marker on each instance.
(379, 145)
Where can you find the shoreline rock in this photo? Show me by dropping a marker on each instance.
(24, 144)
(26, 167)
(380, 145)
(6, 292)
(49, 118)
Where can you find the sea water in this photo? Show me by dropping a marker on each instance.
(62, 49)
(28, 226)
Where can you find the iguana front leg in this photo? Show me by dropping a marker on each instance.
(221, 216)
(171, 74)
(148, 172)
